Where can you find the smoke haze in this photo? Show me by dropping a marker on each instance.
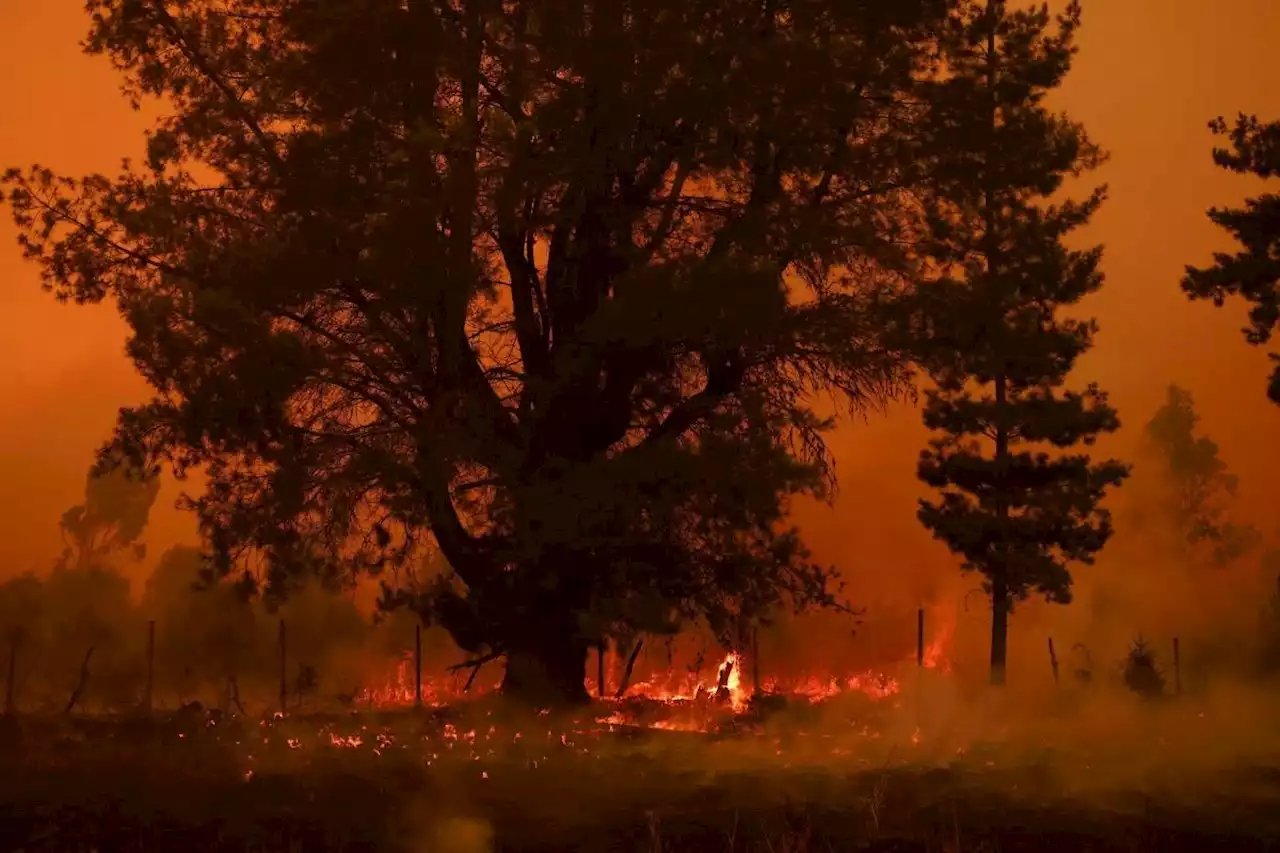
(1142, 85)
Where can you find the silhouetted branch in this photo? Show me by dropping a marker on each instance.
(82, 684)
(631, 665)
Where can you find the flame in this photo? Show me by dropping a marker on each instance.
(729, 673)
(674, 699)
(936, 652)
(671, 687)
(693, 698)
(873, 684)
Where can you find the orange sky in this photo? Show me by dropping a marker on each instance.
(1150, 74)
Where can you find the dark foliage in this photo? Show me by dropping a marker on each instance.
(1201, 488)
(507, 279)
(1016, 504)
(1141, 675)
(1253, 272)
(1269, 651)
(108, 525)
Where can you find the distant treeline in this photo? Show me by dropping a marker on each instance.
(210, 643)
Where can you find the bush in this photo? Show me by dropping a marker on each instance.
(1269, 651)
(1141, 675)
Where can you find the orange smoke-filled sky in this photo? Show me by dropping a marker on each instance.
(1149, 76)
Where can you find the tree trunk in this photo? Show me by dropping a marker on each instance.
(999, 573)
(545, 646)
(999, 630)
(549, 668)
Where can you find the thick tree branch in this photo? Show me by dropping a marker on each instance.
(723, 381)
(235, 101)
(471, 557)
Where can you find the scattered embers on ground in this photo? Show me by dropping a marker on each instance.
(476, 779)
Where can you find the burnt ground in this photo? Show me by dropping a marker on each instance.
(417, 783)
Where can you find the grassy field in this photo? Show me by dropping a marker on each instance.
(883, 778)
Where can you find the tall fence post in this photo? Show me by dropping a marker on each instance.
(11, 677)
(755, 660)
(151, 665)
(417, 665)
(600, 648)
(284, 677)
(1177, 669)
(920, 637)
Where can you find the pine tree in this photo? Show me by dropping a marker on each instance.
(1015, 511)
(1254, 272)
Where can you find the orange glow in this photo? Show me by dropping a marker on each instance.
(937, 652)
(693, 701)
(1149, 76)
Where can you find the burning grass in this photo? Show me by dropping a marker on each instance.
(685, 758)
(915, 767)
(723, 681)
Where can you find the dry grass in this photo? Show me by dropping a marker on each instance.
(468, 785)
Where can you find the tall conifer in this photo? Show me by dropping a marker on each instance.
(1253, 272)
(1014, 501)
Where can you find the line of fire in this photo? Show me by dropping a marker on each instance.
(516, 426)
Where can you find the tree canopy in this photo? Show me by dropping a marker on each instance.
(109, 524)
(1253, 272)
(548, 285)
(1200, 486)
(1013, 502)
(84, 605)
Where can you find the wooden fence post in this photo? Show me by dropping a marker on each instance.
(151, 664)
(11, 677)
(600, 647)
(755, 660)
(284, 677)
(1053, 662)
(417, 665)
(1177, 669)
(920, 637)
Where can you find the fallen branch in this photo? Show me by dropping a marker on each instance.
(235, 695)
(631, 665)
(82, 684)
(474, 665)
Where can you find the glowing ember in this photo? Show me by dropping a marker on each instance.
(677, 725)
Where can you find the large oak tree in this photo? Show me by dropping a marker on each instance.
(547, 284)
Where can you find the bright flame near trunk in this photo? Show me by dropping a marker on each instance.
(674, 686)
(729, 674)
